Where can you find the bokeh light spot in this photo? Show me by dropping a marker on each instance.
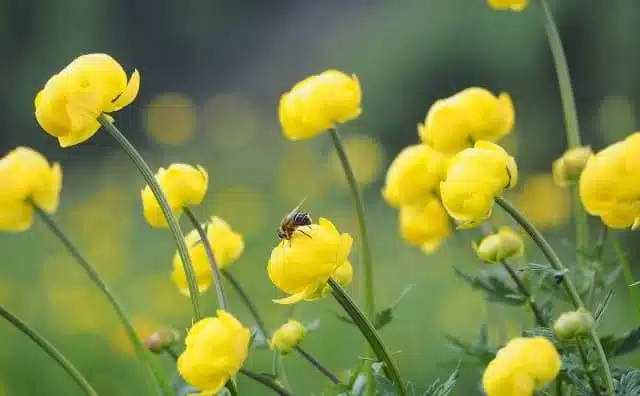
(243, 208)
(543, 202)
(170, 118)
(231, 120)
(366, 155)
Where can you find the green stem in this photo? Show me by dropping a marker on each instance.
(138, 345)
(319, 366)
(266, 381)
(599, 251)
(568, 286)
(370, 333)
(247, 302)
(50, 350)
(559, 384)
(537, 312)
(367, 264)
(222, 299)
(587, 369)
(172, 221)
(627, 273)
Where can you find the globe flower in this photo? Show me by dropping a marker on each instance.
(226, 244)
(287, 337)
(455, 123)
(425, 225)
(414, 175)
(216, 348)
(571, 324)
(343, 275)
(502, 245)
(27, 179)
(318, 103)
(569, 166)
(182, 184)
(609, 185)
(161, 339)
(71, 101)
(520, 367)
(510, 5)
(474, 178)
(302, 266)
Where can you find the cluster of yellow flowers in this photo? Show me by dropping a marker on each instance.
(521, 366)
(456, 169)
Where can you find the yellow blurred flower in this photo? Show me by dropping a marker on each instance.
(182, 184)
(474, 178)
(287, 337)
(71, 101)
(318, 102)
(425, 224)
(521, 366)
(610, 184)
(502, 245)
(227, 246)
(413, 176)
(343, 275)
(170, 118)
(27, 176)
(569, 166)
(455, 123)
(302, 266)
(144, 326)
(512, 5)
(543, 202)
(365, 154)
(216, 348)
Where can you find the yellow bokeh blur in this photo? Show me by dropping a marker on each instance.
(242, 207)
(543, 202)
(366, 156)
(158, 296)
(170, 118)
(301, 174)
(144, 326)
(230, 120)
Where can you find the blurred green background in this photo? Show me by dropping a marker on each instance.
(212, 73)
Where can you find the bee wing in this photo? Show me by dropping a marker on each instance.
(297, 207)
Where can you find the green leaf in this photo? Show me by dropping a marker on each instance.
(602, 307)
(439, 388)
(343, 318)
(496, 288)
(385, 316)
(626, 382)
(482, 354)
(616, 345)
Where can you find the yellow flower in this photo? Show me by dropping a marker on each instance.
(227, 246)
(302, 266)
(610, 184)
(413, 176)
(569, 166)
(539, 193)
(474, 178)
(287, 337)
(523, 365)
(182, 184)
(425, 224)
(455, 123)
(71, 101)
(27, 176)
(216, 348)
(512, 5)
(318, 102)
(502, 245)
(343, 275)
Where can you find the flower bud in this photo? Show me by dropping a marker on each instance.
(569, 166)
(572, 324)
(502, 245)
(161, 339)
(287, 337)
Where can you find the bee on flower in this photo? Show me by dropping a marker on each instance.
(292, 223)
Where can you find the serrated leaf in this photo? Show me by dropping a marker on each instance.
(343, 318)
(482, 354)
(439, 388)
(626, 382)
(496, 289)
(384, 317)
(384, 387)
(482, 339)
(616, 345)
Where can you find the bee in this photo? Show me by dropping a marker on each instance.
(290, 223)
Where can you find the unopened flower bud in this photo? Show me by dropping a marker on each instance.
(161, 339)
(569, 166)
(502, 245)
(287, 337)
(572, 324)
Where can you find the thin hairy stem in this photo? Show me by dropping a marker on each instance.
(316, 363)
(172, 221)
(587, 368)
(126, 322)
(537, 312)
(266, 381)
(50, 350)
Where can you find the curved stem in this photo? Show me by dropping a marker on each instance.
(50, 350)
(568, 286)
(266, 381)
(324, 370)
(585, 360)
(138, 345)
(370, 333)
(559, 386)
(222, 299)
(172, 221)
(537, 313)
(627, 273)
